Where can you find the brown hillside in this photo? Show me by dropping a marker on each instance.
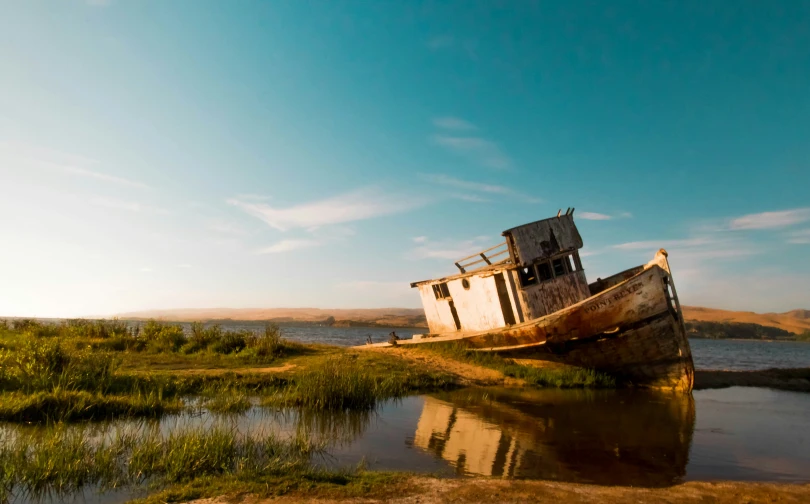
(382, 316)
(796, 321)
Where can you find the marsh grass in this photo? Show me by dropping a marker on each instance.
(339, 383)
(72, 406)
(60, 461)
(354, 382)
(99, 370)
(568, 377)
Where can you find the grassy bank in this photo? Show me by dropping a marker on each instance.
(61, 461)
(568, 377)
(96, 370)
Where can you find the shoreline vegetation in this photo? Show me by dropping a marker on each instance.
(62, 377)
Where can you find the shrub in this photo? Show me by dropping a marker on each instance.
(95, 329)
(231, 342)
(45, 365)
(162, 337)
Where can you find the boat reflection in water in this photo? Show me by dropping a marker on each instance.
(601, 437)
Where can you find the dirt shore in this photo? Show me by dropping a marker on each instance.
(425, 490)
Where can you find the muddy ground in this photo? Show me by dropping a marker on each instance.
(425, 490)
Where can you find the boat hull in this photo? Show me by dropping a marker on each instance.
(633, 330)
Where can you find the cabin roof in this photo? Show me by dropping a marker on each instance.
(486, 271)
(525, 244)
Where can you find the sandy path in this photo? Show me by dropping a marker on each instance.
(467, 374)
(428, 490)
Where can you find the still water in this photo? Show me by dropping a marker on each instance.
(599, 437)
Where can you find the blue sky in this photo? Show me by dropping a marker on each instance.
(166, 154)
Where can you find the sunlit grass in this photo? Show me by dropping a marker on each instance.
(568, 377)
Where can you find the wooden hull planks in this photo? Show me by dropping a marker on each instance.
(633, 330)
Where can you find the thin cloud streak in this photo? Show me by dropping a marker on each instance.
(130, 206)
(770, 220)
(448, 249)
(602, 217)
(463, 184)
(83, 172)
(477, 149)
(453, 123)
(448, 181)
(801, 237)
(470, 198)
(287, 246)
(651, 244)
(354, 206)
(594, 216)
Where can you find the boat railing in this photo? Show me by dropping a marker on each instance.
(498, 254)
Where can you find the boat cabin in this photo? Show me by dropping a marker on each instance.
(534, 272)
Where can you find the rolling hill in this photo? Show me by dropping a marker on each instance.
(796, 321)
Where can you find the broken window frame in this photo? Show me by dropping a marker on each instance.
(440, 291)
(569, 266)
(527, 278)
(541, 267)
(554, 263)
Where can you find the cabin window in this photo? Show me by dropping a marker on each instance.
(568, 266)
(441, 291)
(466, 284)
(577, 261)
(527, 276)
(544, 271)
(559, 268)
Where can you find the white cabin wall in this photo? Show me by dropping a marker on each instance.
(437, 311)
(478, 307)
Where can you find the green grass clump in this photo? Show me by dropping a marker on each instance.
(71, 406)
(348, 382)
(568, 377)
(339, 383)
(60, 461)
(44, 364)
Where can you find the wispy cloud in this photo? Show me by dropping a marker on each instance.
(466, 185)
(801, 237)
(287, 246)
(453, 123)
(253, 196)
(446, 180)
(420, 239)
(470, 198)
(227, 227)
(145, 270)
(130, 206)
(771, 220)
(594, 216)
(601, 217)
(476, 149)
(43, 158)
(354, 206)
(449, 249)
(653, 244)
(75, 170)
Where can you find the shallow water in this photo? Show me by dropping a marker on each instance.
(745, 355)
(610, 437)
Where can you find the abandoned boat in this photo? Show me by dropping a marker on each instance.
(528, 298)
